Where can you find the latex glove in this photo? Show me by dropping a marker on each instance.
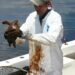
(27, 35)
(20, 41)
(40, 38)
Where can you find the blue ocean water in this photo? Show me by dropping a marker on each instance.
(20, 9)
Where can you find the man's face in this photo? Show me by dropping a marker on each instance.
(41, 9)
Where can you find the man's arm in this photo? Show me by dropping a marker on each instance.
(54, 34)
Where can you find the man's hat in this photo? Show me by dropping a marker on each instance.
(39, 2)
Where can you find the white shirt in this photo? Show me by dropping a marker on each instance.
(49, 34)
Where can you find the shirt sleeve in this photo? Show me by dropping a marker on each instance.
(25, 28)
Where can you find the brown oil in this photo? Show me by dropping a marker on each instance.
(36, 57)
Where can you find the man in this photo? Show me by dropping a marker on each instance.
(44, 27)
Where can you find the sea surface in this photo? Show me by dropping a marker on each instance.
(20, 9)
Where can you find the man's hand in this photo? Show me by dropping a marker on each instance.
(20, 41)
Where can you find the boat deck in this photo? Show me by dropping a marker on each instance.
(68, 61)
(70, 69)
(20, 72)
(17, 73)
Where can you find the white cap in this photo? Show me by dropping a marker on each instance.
(39, 2)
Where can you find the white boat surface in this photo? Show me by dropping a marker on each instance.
(68, 60)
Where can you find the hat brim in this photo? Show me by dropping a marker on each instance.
(37, 2)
